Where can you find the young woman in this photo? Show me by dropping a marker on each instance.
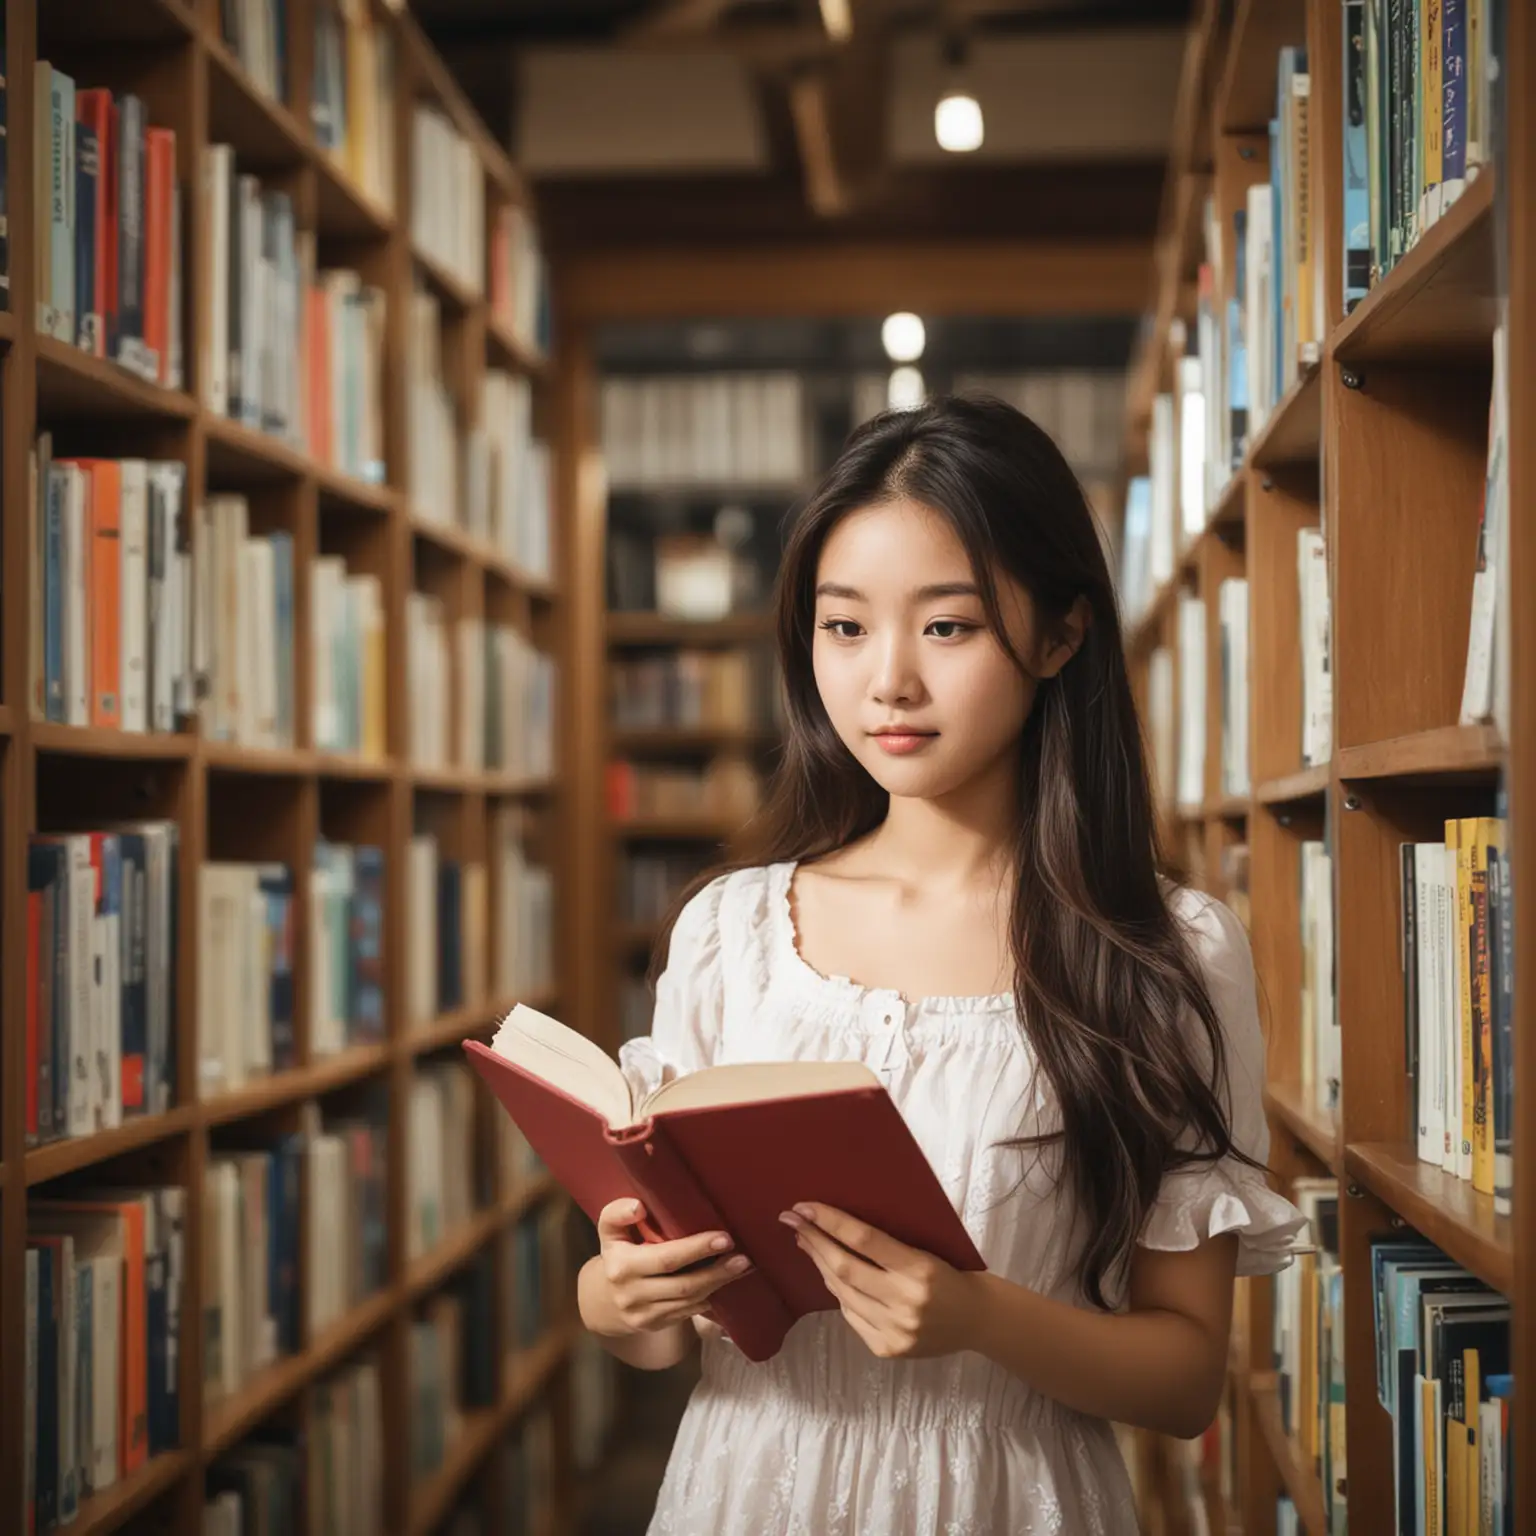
(961, 889)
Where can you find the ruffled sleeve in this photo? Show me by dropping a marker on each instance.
(1205, 1200)
(685, 1025)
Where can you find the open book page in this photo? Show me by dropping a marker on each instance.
(573, 1064)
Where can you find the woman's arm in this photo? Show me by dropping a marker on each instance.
(1160, 1365)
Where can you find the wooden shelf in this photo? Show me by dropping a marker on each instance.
(5, 719)
(113, 1507)
(506, 349)
(452, 1028)
(494, 782)
(658, 740)
(72, 383)
(1231, 505)
(429, 1271)
(95, 741)
(481, 1428)
(345, 210)
(432, 1498)
(452, 290)
(233, 757)
(1437, 305)
(338, 489)
(264, 133)
(1296, 1476)
(534, 1192)
(1305, 784)
(1467, 750)
(1316, 1129)
(8, 328)
(232, 1418)
(1245, 98)
(238, 453)
(1446, 1210)
(662, 629)
(56, 1158)
(342, 765)
(1227, 808)
(322, 1076)
(1293, 432)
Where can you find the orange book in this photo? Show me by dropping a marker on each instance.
(320, 377)
(94, 109)
(159, 181)
(133, 1342)
(103, 587)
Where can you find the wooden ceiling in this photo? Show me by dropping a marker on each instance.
(821, 100)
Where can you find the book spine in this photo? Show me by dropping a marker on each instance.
(750, 1310)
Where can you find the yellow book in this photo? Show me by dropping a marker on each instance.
(1456, 1479)
(1471, 1394)
(1304, 227)
(1458, 837)
(1306, 1383)
(1432, 101)
(1430, 1460)
(1489, 835)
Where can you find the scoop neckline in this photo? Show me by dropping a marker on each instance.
(789, 944)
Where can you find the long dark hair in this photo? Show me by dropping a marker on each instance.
(1105, 982)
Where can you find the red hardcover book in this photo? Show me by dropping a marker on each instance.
(725, 1148)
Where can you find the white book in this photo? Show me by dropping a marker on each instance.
(1232, 601)
(218, 178)
(1431, 1076)
(1261, 356)
(1164, 513)
(1450, 1010)
(1192, 448)
(133, 606)
(1317, 684)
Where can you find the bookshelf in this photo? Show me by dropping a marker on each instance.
(1380, 441)
(231, 800)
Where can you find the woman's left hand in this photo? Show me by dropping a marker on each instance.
(905, 1304)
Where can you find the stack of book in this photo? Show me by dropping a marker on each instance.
(111, 640)
(105, 1272)
(689, 689)
(245, 619)
(1442, 1363)
(1458, 986)
(714, 429)
(442, 1160)
(352, 95)
(452, 1372)
(344, 1475)
(347, 1166)
(256, 33)
(347, 658)
(101, 966)
(245, 1002)
(446, 961)
(107, 227)
(509, 476)
(346, 948)
(429, 651)
(518, 281)
(447, 197)
(256, 1489)
(525, 1474)
(521, 683)
(524, 959)
(250, 1227)
(433, 415)
(726, 787)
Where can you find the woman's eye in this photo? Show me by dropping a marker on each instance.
(843, 629)
(949, 629)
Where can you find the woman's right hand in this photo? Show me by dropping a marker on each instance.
(647, 1290)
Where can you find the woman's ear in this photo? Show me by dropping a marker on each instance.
(1070, 634)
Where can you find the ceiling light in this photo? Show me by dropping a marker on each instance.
(957, 121)
(903, 337)
(904, 389)
(837, 18)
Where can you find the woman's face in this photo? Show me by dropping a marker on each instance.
(914, 681)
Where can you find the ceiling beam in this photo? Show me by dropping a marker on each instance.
(676, 19)
(996, 278)
(810, 109)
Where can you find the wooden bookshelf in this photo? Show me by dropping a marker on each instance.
(1382, 443)
(56, 777)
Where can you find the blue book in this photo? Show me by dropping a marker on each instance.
(1237, 346)
(282, 585)
(1357, 180)
(366, 944)
(276, 884)
(85, 1375)
(1453, 121)
(87, 171)
(46, 1484)
(61, 204)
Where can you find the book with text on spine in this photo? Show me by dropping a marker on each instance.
(726, 1148)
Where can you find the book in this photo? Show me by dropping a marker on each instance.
(727, 1147)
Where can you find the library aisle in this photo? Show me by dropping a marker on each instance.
(401, 402)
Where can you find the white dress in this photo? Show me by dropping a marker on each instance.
(826, 1439)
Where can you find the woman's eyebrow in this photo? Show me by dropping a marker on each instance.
(922, 594)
